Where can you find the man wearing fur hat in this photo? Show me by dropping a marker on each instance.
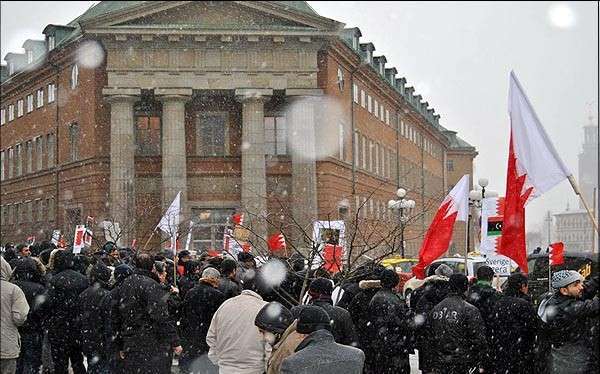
(567, 317)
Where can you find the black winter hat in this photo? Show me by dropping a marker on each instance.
(274, 318)
(100, 273)
(459, 282)
(389, 278)
(311, 319)
(321, 286)
(121, 272)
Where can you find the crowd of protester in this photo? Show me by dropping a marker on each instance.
(121, 311)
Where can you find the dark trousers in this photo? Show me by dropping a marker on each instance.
(30, 359)
(64, 349)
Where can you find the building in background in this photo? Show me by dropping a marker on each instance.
(574, 227)
(263, 107)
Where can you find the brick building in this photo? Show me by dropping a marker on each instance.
(261, 107)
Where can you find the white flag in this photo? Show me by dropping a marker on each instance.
(170, 221)
(535, 155)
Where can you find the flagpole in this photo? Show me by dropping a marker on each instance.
(549, 271)
(148, 241)
(578, 192)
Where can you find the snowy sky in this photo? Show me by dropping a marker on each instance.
(458, 56)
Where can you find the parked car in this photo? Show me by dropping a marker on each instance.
(585, 263)
(402, 266)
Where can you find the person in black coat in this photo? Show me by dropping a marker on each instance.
(140, 319)
(483, 296)
(342, 326)
(63, 330)
(228, 284)
(432, 292)
(110, 336)
(197, 310)
(92, 317)
(567, 317)
(391, 333)
(191, 277)
(514, 327)
(26, 275)
(359, 310)
(458, 332)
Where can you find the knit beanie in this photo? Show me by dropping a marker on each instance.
(565, 277)
(459, 283)
(311, 319)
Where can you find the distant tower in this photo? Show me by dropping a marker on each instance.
(588, 161)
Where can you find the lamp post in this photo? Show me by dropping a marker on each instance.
(475, 201)
(401, 205)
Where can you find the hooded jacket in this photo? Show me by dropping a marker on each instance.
(92, 315)
(14, 310)
(63, 296)
(28, 277)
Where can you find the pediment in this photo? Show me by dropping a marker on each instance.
(212, 15)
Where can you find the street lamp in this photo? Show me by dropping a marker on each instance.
(476, 197)
(401, 205)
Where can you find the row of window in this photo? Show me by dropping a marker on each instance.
(30, 211)
(372, 156)
(8, 114)
(29, 100)
(411, 133)
(371, 104)
(28, 157)
(212, 135)
(407, 130)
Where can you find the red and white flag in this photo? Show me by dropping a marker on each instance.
(276, 242)
(455, 207)
(556, 253)
(534, 167)
(238, 219)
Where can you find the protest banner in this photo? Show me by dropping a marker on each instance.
(501, 264)
(78, 239)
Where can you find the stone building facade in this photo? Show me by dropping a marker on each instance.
(261, 107)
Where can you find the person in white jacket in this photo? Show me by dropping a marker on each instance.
(14, 310)
(236, 344)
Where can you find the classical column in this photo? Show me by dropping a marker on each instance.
(122, 166)
(254, 179)
(174, 170)
(304, 167)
